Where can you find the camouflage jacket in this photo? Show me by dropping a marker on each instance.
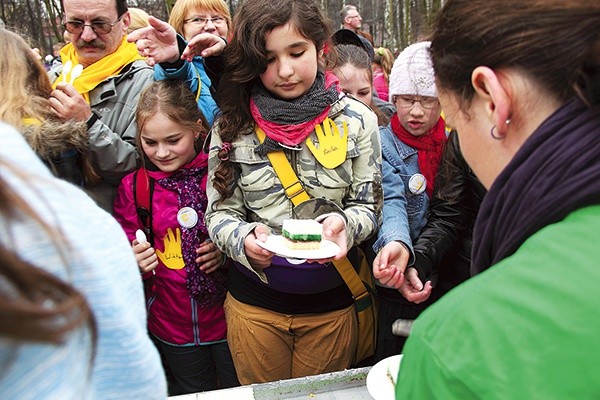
(258, 196)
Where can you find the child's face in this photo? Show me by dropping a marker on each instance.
(168, 144)
(291, 63)
(355, 81)
(414, 117)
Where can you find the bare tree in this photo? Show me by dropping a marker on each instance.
(393, 23)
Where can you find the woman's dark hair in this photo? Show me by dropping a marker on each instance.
(245, 59)
(35, 306)
(556, 42)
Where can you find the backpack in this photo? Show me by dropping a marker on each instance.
(143, 189)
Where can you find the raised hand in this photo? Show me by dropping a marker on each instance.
(205, 45)
(157, 42)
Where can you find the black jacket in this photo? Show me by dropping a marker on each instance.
(444, 244)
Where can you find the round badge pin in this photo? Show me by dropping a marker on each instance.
(417, 184)
(187, 217)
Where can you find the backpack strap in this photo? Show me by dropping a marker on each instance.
(143, 188)
(294, 190)
(199, 81)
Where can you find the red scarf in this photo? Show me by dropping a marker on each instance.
(429, 148)
(292, 134)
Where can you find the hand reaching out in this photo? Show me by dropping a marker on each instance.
(157, 42)
(390, 264)
(412, 288)
(205, 45)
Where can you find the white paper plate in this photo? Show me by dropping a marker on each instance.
(379, 384)
(276, 244)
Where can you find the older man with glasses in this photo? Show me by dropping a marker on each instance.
(352, 20)
(104, 93)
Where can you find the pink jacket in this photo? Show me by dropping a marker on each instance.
(173, 316)
(380, 85)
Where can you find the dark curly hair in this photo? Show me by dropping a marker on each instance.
(245, 60)
(557, 42)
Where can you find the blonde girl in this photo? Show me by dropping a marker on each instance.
(183, 271)
(62, 145)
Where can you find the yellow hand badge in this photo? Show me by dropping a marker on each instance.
(171, 257)
(332, 148)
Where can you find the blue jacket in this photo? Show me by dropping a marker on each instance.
(194, 75)
(404, 212)
(93, 255)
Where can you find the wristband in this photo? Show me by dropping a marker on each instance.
(92, 120)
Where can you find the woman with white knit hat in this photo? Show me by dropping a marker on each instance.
(412, 146)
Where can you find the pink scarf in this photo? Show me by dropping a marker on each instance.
(293, 134)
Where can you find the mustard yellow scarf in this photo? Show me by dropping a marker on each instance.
(28, 121)
(102, 69)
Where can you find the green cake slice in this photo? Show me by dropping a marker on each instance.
(302, 234)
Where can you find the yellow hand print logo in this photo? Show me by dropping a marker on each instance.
(172, 257)
(332, 146)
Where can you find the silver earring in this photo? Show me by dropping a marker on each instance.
(508, 121)
(494, 133)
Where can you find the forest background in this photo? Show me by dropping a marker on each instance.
(393, 23)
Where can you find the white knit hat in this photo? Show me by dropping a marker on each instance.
(412, 72)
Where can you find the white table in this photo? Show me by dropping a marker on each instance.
(342, 385)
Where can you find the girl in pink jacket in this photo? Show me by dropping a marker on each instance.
(183, 270)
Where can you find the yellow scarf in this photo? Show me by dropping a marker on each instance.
(28, 121)
(102, 69)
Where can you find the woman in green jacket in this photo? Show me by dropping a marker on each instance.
(519, 82)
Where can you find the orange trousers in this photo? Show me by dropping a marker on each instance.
(268, 346)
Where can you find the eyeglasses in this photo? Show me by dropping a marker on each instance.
(201, 21)
(408, 102)
(99, 27)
